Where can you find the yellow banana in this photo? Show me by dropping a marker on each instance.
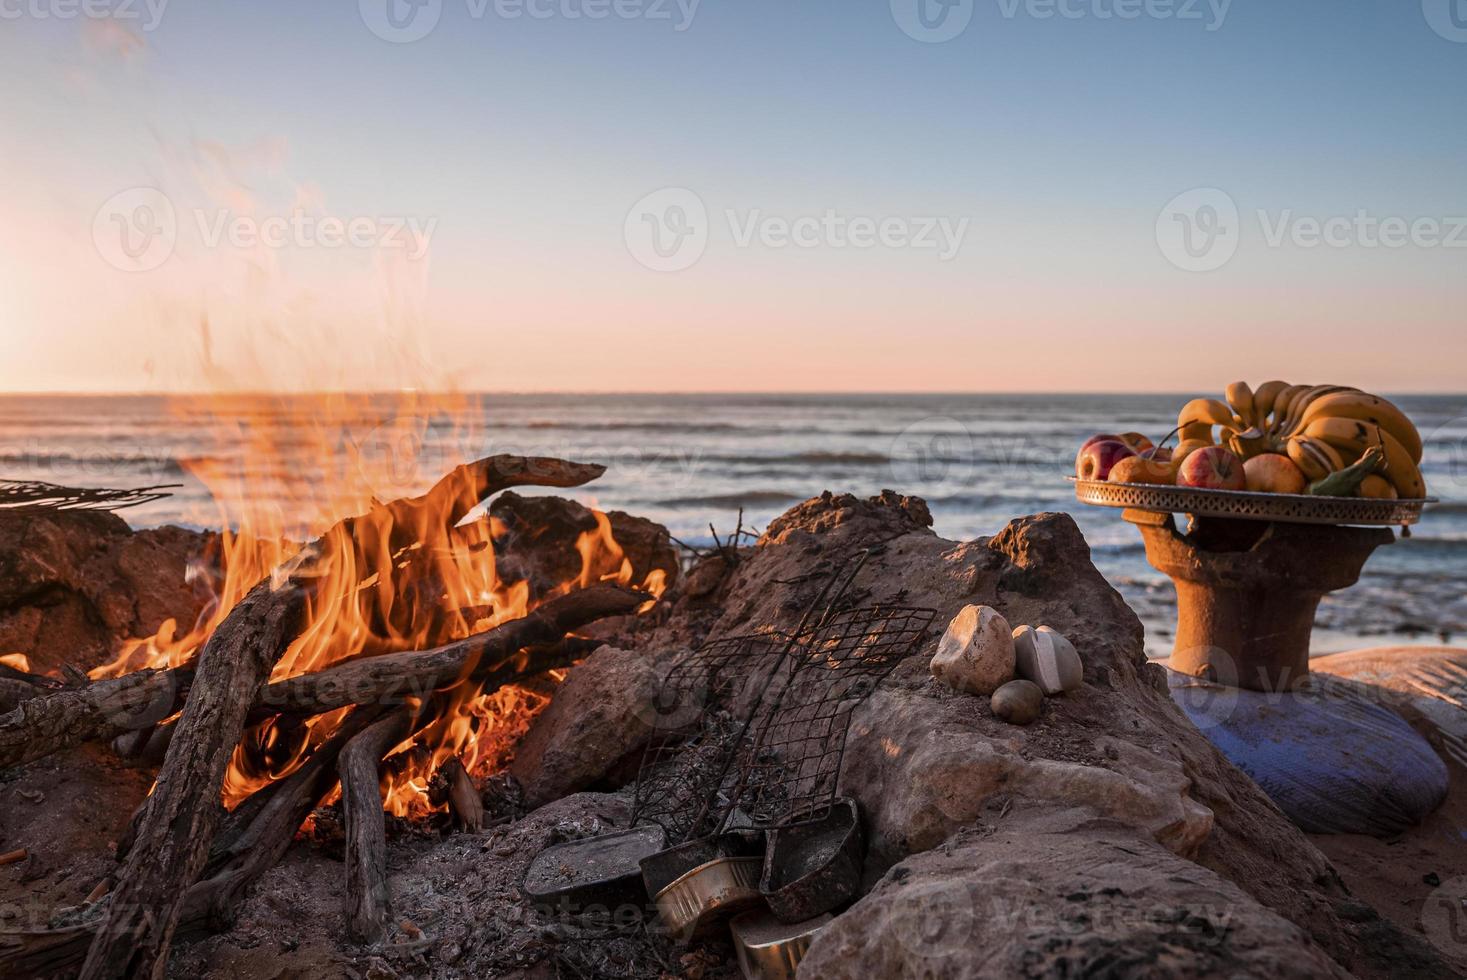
(1352, 436)
(1209, 411)
(1263, 401)
(1314, 457)
(1197, 432)
(1281, 405)
(1359, 406)
(1240, 397)
(1302, 402)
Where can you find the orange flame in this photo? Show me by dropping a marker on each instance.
(395, 579)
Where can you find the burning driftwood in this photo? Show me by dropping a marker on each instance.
(182, 869)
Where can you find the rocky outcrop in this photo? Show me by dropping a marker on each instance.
(1094, 901)
(74, 583)
(600, 717)
(928, 763)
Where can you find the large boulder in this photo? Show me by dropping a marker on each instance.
(1097, 901)
(600, 717)
(75, 583)
(928, 763)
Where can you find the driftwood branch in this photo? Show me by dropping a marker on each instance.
(58, 720)
(493, 658)
(367, 895)
(179, 820)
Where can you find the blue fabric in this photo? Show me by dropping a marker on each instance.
(1333, 762)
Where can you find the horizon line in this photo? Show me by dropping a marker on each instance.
(671, 392)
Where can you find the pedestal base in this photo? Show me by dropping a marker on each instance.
(1247, 591)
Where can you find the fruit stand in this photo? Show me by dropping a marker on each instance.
(1289, 490)
(1251, 569)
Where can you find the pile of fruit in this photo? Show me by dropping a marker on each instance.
(1326, 440)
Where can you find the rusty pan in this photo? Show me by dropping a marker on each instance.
(600, 871)
(813, 867)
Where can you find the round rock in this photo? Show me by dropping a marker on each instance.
(1048, 659)
(976, 654)
(1017, 702)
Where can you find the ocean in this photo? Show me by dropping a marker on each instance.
(691, 460)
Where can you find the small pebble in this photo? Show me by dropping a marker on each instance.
(1017, 702)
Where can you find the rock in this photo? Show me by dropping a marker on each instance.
(1095, 902)
(75, 583)
(926, 762)
(600, 716)
(1048, 659)
(535, 540)
(976, 654)
(1017, 702)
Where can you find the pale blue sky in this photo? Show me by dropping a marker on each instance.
(526, 141)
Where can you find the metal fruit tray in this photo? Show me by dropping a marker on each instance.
(1242, 505)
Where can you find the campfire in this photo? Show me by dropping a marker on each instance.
(390, 655)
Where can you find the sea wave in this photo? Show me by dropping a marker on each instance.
(751, 498)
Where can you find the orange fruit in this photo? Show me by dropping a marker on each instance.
(1274, 473)
(1138, 469)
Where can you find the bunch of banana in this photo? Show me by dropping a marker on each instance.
(1323, 428)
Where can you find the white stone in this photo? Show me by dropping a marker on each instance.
(976, 654)
(1048, 659)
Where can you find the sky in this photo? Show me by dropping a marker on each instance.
(752, 195)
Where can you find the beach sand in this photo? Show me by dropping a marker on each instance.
(1401, 875)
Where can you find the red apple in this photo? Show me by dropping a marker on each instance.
(1136, 441)
(1163, 455)
(1098, 456)
(1103, 437)
(1213, 468)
